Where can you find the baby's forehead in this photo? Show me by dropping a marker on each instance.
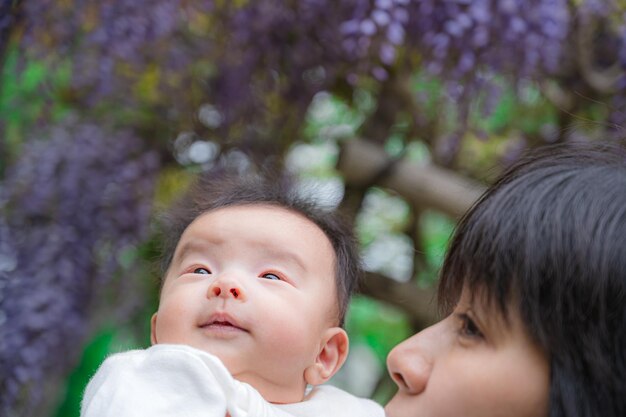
(269, 217)
(273, 231)
(289, 217)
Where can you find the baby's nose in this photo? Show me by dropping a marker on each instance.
(226, 288)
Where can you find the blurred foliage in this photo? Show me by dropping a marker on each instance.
(377, 325)
(94, 353)
(437, 230)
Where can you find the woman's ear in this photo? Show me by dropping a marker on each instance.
(153, 321)
(332, 355)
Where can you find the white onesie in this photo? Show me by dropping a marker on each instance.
(178, 380)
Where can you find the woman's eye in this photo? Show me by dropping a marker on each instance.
(201, 271)
(469, 327)
(273, 277)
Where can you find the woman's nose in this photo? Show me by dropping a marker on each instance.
(410, 364)
(227, 288)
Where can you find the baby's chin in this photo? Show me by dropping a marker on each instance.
(246, 367)
(276, 392)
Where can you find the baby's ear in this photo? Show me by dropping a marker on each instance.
(153, 320)
(332, 355)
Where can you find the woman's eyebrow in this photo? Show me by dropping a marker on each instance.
(484, 310)
(491, 317)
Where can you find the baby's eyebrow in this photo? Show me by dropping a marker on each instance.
(274, 253)
(192, 246)
(283, 255)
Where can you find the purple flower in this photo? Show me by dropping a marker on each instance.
(72, 204)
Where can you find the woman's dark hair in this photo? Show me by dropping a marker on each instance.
(549, 237)
(224, 188)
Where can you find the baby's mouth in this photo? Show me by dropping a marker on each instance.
(222, 322)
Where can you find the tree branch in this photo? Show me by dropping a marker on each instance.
(418, 303)
(423, 185)
(603, 81)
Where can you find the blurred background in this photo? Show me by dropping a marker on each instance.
(396, 112)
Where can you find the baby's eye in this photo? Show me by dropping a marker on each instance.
(271, 276)
(201, 271)
(469, 327)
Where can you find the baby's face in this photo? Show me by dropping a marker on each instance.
(255, 286)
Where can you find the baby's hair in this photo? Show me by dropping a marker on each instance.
(549, 239)
(224, 188)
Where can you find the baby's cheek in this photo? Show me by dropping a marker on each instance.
(172, 322)
(290, 342)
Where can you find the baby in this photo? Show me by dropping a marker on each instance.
(256, 285)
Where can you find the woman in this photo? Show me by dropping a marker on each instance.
(534, 289)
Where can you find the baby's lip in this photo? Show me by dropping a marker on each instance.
(223, 321)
